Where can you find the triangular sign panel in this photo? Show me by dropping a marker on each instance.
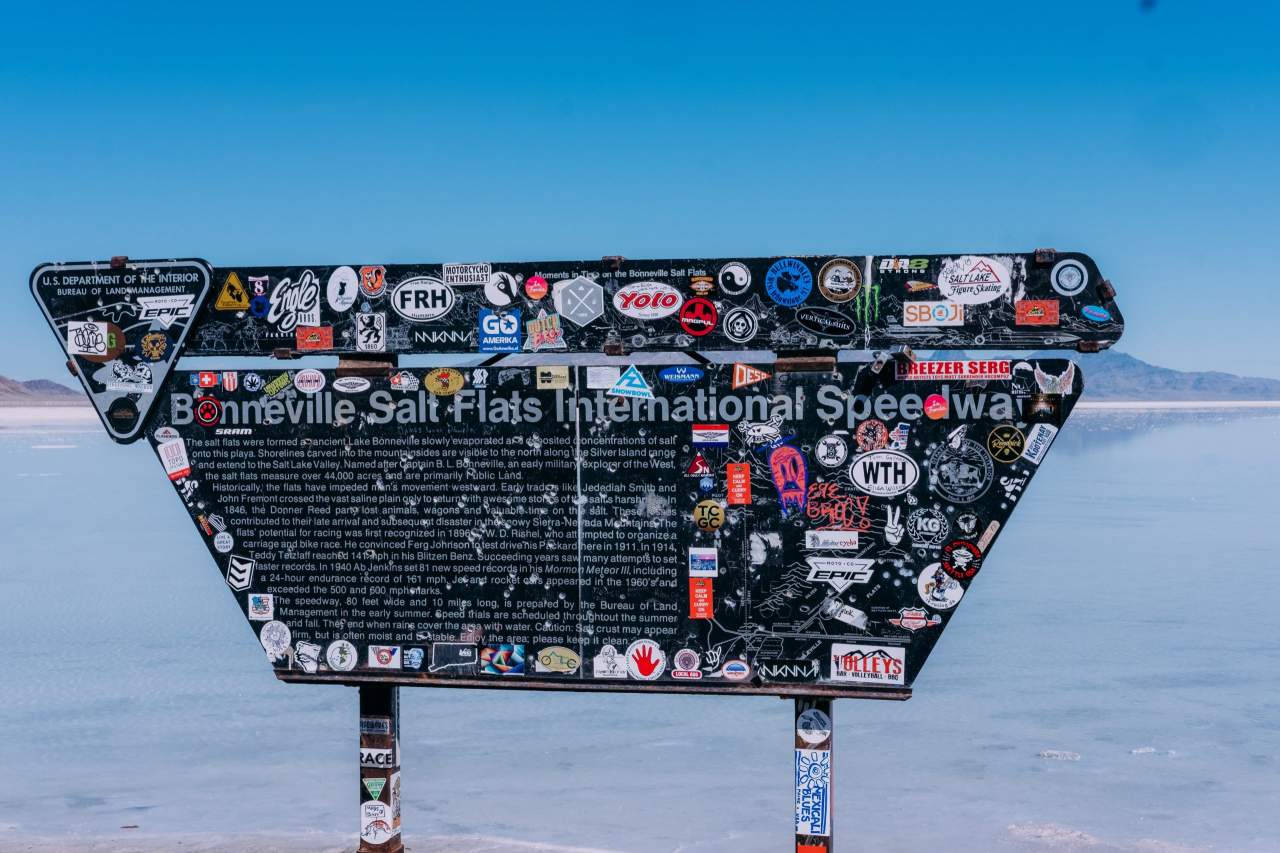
(834, 561)
(122, 328)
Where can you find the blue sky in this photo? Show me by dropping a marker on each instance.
(308, 134)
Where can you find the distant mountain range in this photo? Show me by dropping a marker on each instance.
(1108, 375)
(1111, 375)
(38, 392)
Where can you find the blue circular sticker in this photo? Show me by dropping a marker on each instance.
(788, 282)
(259, 306)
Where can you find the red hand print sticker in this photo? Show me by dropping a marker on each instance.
(645, 660)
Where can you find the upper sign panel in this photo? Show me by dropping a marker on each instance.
(121, 328)
(994, 301)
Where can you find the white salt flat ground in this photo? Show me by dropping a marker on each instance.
(1125, 617)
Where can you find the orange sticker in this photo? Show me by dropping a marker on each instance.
(738, 475)
(745, 374)
(1036, 312)
(315, 337)
(701, 605)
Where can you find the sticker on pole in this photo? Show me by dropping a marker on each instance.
(122, 328)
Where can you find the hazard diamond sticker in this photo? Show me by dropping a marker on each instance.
(233, 296)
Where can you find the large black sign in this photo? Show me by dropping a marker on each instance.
(993, 301)
(639, 528)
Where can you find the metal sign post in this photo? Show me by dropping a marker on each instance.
(815, 775)
(380, 769)
(798, 527)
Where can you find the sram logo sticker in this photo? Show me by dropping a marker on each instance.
(839, 572)
(876, 665)
(932, 314)
(647, 300)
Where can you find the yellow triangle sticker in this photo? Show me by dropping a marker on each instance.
(233, 296)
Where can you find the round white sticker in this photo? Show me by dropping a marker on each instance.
(344, 284)
(813, 726)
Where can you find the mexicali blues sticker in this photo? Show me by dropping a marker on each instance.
(813, 792)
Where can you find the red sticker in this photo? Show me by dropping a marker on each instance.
(315, 337)
(535, 286)
(701, 604)
(698, 317)
(208, 411)
(739, 479)
(1036, 312)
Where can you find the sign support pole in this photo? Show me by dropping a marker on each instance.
(380, 769)
(814, 766)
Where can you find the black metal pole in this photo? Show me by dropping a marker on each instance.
(814, 759)
(380, 769)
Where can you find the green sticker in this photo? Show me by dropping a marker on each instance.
(374, 787)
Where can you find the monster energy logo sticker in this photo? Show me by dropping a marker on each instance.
(866, 305)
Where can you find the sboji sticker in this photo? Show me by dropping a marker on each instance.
(813, 791)
(789, 477)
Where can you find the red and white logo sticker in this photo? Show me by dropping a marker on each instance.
(208, 411)
(645, 660)
(698, 317)
(648, 300)
(745, 374)
(973, 370)
(309, 381)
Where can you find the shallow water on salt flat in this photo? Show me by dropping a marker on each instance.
(1112, 683)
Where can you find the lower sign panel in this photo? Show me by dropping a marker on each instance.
(594, 528)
